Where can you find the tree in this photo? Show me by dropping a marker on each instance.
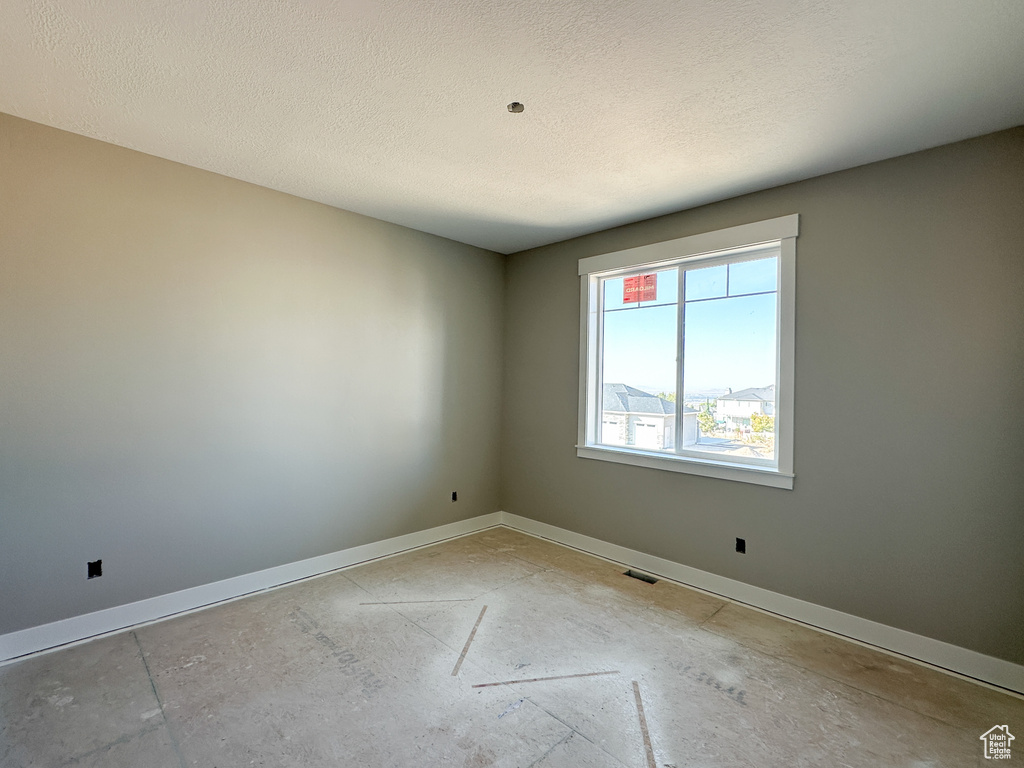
(705, 420)
(670, 396)
(761, 422)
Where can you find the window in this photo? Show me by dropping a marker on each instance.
(686, 359)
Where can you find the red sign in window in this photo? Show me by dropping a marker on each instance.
(640, 288)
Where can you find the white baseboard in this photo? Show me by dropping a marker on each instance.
(76, 629)
(91, 625)
(988, 669)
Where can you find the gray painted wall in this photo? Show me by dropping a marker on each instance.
(908, 507)
(202, 378)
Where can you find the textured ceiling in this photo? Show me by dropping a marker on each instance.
(633, 107)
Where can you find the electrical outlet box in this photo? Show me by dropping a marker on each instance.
(94, 569)
(741, 546)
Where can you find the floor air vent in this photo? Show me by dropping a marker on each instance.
(641, 576)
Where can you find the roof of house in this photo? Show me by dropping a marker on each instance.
(763, 394)
(623, 398)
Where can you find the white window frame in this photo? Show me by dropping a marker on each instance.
(682, 252)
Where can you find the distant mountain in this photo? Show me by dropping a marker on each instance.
(706, 394)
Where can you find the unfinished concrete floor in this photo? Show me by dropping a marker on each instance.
(492, 649)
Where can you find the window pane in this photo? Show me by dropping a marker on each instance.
(753, 276)
(613, 294)
(729, 377)
(639, 376)
(706, 282)
(667, 290)
(668, 286)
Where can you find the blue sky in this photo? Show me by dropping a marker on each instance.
(730, 341)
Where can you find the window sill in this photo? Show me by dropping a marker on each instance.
(717, 469)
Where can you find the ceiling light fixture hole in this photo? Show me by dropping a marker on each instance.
(516, 106)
